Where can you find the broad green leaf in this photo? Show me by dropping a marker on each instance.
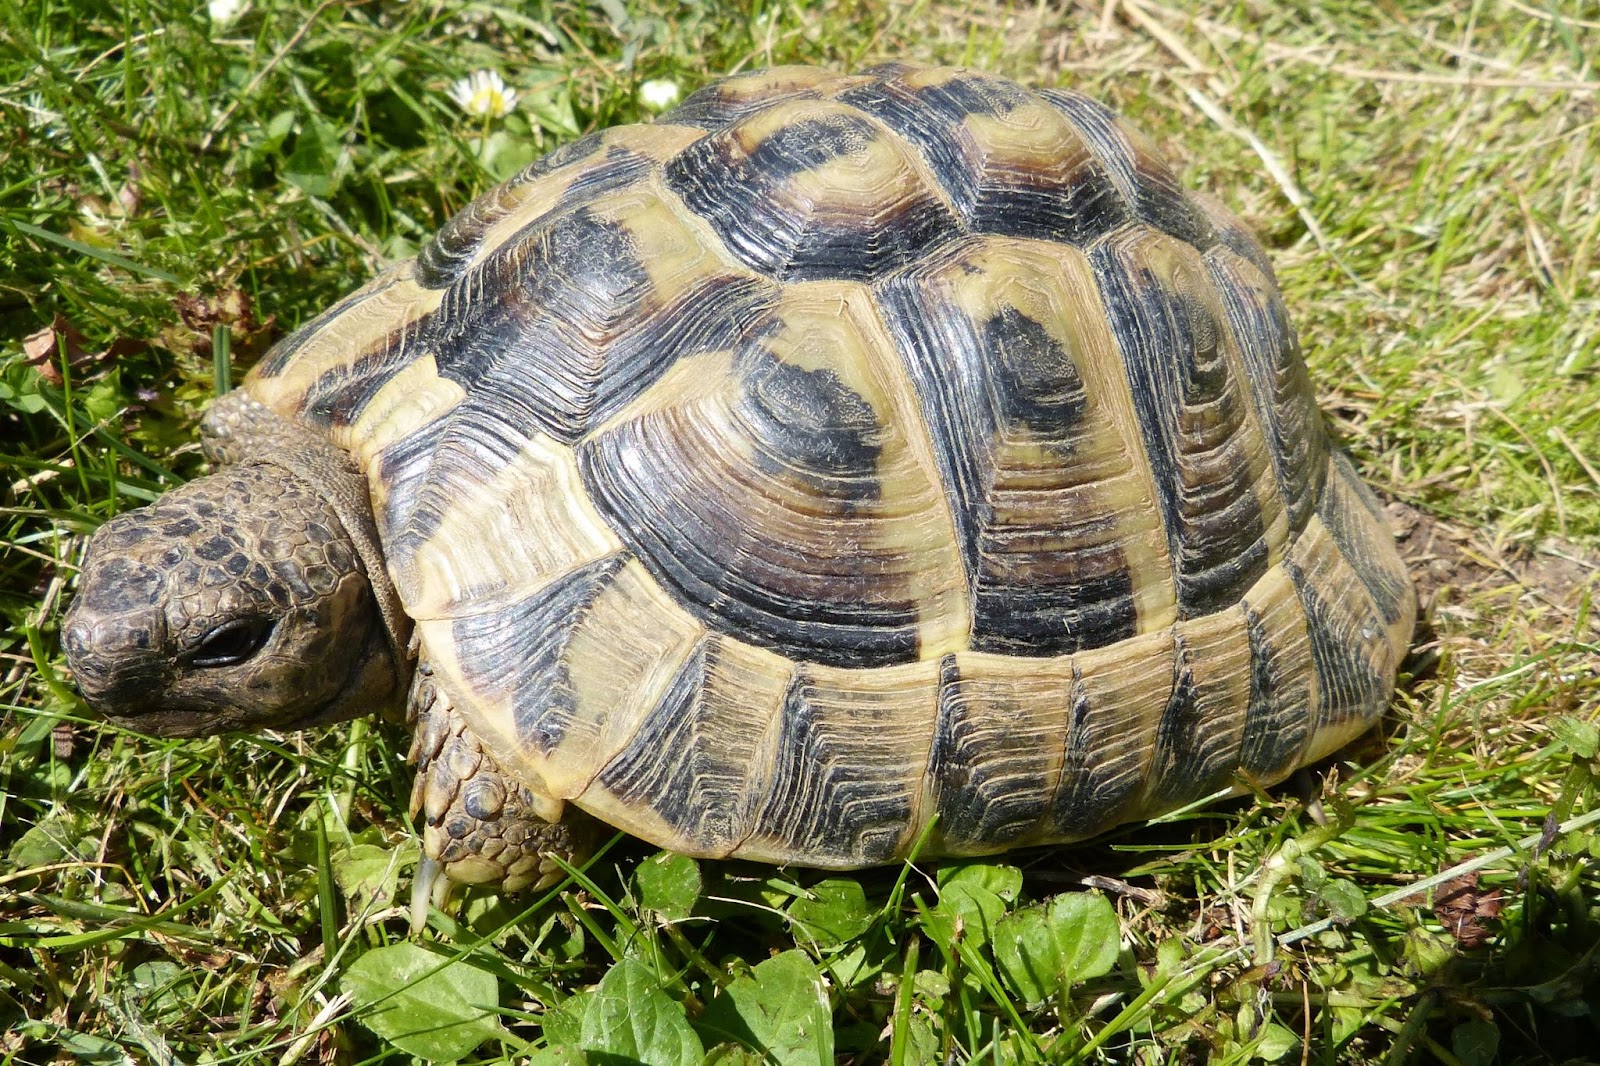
(54, 840)
(1581, 738)
(1002, 880)
(834, 912)
(104, 398)
(1475, 1042)
(668, 884)
(503, 154)
(366, 872)
(435, 1016)
(314, 166)
(1049, 948)
(779, 1009)
(1345, 900)
(563, 1023)
(161, 985)
(1312, 875)
(552, 109)
(87, 1047)
(972, 898)
(1275, 1042)
(629, 1019)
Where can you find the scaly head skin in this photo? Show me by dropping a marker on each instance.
(243, 600)
(234, 602)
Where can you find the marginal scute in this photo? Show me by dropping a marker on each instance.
(528, 521)
(585, 171)
(1352, 648)
(1198, 740)
(697, 766)
(1354, 519)
(1116, 701)
(514, 655)
(340, 358)
(997, 749)
(846, 784)
(1273, 375)
(1283, 681)
(625, 652)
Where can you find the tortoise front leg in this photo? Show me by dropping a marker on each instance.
(479, 825)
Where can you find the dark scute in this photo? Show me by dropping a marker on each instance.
(1355, 521)
(814, 424)
(339, 395)
(215, 548)
(518, 651)
(1349, 685)
(713, 109)
(403, 467)
(1280, 389)
(1191, 759)
(977, 383)
(1278, 720)
(947, 365)
(1039, 203)
(1065, 613)
(824, 803)
(747, 200)
(1094, 787)
(975, 94)
(675, 768)
(443, 259)
(1149, 187)
(664, 491)
(1035, 379)
(577, 333)
(124, 588)
(571, 263)
(802, 146)
(1188, 417)
(974, 808)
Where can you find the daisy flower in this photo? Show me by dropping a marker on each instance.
(223, 12)
(658, 94)
(484, 93)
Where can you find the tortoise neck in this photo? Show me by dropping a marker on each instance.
(239, 429)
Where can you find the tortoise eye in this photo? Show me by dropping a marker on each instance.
(232, 643)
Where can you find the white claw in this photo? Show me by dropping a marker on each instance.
(430, 881)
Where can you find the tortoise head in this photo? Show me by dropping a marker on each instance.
(238, 601)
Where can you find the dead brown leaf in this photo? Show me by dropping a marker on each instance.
(233, 309)
(1465, 910)
(44, 348)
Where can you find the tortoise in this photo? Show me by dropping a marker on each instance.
(841, 466)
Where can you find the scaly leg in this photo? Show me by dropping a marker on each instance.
(479, 826)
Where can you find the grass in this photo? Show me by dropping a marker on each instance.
(175, 193)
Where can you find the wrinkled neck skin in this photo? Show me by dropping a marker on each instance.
(253, 598)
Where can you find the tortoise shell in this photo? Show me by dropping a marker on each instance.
(842, 454)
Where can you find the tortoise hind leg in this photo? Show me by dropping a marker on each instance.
(479, 826)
